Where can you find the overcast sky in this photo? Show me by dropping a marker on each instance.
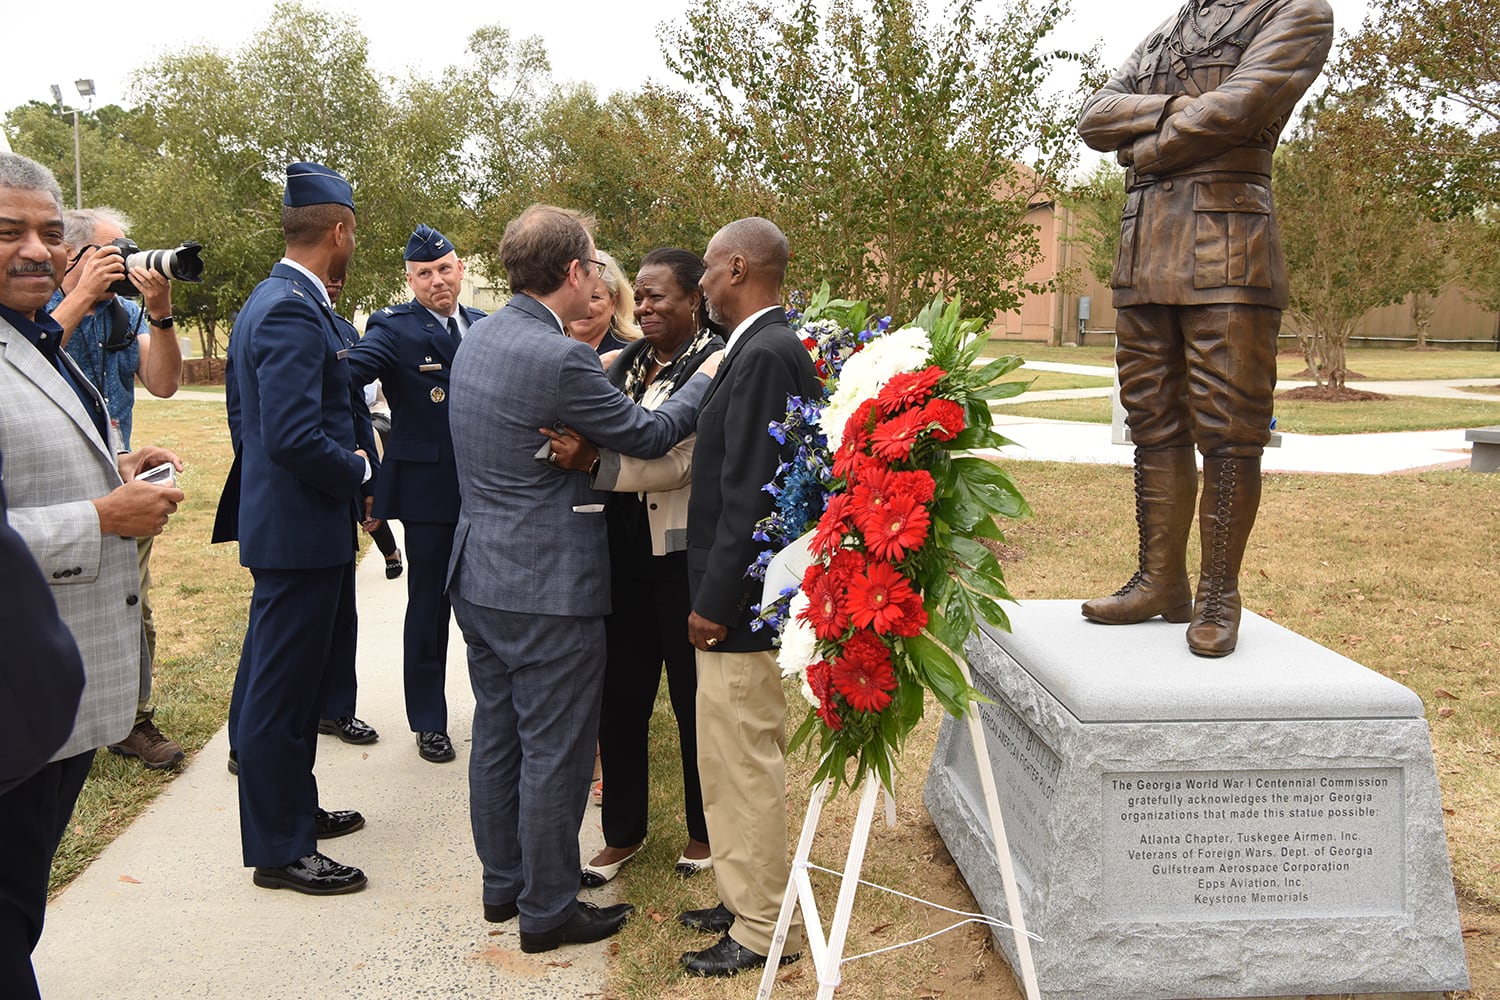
(613, 45)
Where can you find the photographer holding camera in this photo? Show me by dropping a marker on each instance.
(110, 338)
(107, 333)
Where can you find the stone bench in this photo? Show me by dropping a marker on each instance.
(1486, 454)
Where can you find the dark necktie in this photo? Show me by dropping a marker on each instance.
(458, 338)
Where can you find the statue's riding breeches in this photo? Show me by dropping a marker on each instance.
(1198, 374)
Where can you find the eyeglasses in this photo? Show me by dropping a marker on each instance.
(598, 266)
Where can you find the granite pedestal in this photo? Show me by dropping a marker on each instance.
(1266, 824)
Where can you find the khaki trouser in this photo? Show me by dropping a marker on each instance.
(742, 764)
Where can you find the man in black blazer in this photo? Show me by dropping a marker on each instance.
(741, 705)
(410, 348)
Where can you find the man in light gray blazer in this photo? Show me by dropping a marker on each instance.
(529, 576)
(79, 507)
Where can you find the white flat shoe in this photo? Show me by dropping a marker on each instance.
(593, 876)
(688, 867)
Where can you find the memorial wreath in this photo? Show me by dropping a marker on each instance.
(887, 509)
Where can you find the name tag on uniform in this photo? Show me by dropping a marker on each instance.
(429, 368)
(589, 508)
(341, 355)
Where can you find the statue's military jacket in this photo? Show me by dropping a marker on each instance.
(1199, 226)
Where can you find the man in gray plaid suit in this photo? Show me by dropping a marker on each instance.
(79, 507)
(529, 575)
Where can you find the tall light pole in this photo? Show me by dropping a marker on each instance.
(85, 89)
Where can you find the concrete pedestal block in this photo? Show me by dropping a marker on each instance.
(1267, 824)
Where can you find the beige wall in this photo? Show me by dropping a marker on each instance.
(1052, 317)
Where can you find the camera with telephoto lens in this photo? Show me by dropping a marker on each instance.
(182, 263)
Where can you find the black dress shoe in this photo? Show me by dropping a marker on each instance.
(335, 824)
(393, 565)
(499, 913)
(588, 923)
(727, 957)
(234, 763)
(714, 920)
(436, 747)
(316, 874)
(349, 729)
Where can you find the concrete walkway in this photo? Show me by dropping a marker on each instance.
(1372, 454)
(167, 910)
(1436, 388)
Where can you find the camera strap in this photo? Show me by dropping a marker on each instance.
(119, 332)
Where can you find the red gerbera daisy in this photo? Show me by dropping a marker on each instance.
(893, 439)
(833, 525)
(882, 599)
(908, 389)
(827, 609)
(894, 528)
(857, 427)
(853, 464)
(879, 485)
(863, 673)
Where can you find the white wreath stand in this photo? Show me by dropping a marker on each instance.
(828, 955)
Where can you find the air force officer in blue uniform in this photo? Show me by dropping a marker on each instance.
(291, 501)
(410, 348)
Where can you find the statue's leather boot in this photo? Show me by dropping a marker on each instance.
(1166, 483)
(1231, 496)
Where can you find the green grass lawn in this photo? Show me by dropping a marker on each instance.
(1391, 364)
(1035, 350)
(1043, 381)
(1375, 364)
(1399, 413)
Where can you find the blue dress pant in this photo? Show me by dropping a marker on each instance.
(424, 639)
(301, 622)
(537, 682)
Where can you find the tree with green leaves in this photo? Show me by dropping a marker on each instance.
(1097, 202)
(1356, 234)
(303, 89)
(1435, 66)
(648, 165)
(903, 150)
(1429, 73)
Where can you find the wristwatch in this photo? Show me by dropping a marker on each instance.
(594, 467)
(165, 323)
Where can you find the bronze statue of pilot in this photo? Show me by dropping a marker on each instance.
(1200, 282)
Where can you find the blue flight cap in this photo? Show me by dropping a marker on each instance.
(427, 244)
(315, 184)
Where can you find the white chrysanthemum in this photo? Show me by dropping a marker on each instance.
(799, 643)
(903, 350)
